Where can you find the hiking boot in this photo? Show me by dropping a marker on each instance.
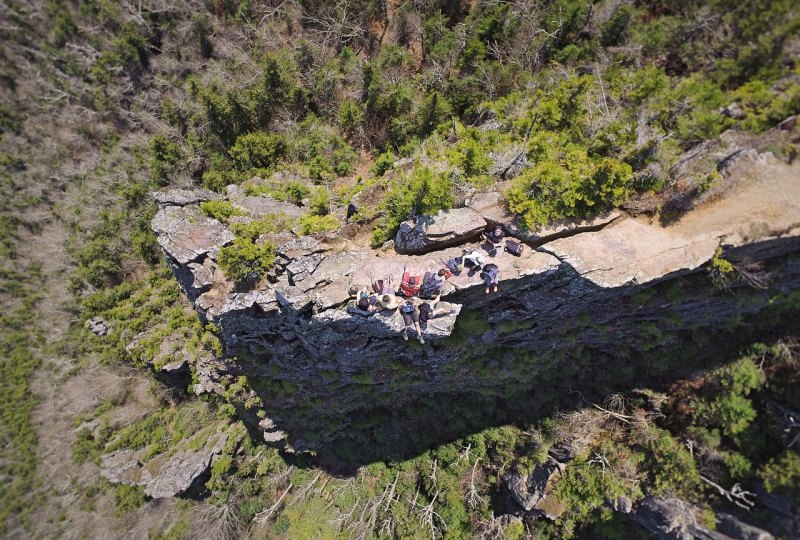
(405, 337)
(421, 340)
(487, 290)
(495, 288)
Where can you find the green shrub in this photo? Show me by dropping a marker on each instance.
(87, 446)
(313, 224)
(351, 116)
(255, 228)
(739, 467)
(384, 163)
(202, 28)
(574, 185)
(583, 490)
(294, 192)
(615, 30)
(219, 210)
(433, 110)
(128, 50)
(164, 155)
(128, 498)
(258, 150)
(423, 192)
(219, 180)
(670, 464)
(244, 257)
(782, 474)
(470, 155)
(728, 406)
(325, 151)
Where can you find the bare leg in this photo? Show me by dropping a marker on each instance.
(419, 333)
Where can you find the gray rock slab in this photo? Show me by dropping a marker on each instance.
(260, 206)
(446, 228)
(164, 475)
(185, 196)
(187, 235)
(671, 518)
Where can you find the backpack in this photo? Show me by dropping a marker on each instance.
(431, 286)
(410, 284)
(424, 311)
(454, 266)
(407, 308)
(514, 247)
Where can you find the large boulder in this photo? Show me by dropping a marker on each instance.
(165, 475)
(530, 491)
(187, 235)
(446, 228)
(491, 206)
(669, 518)
(185, 196)
(260, 206)
(736, 528)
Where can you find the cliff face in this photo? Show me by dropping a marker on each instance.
(588, 308)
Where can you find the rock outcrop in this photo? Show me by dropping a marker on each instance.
(672, 519)
(165, 475)
(447, 228)
(187, 235)
(610, 294)
(98, 326)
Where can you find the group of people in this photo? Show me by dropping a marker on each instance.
(422, 296)
(415, 309)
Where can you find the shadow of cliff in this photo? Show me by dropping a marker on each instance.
(549, 344)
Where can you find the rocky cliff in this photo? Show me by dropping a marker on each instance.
(589, 307)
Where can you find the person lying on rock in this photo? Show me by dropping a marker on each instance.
(495, 237)
(473, 261)
(491, 276)
(428, 309)
(383, 286)
(367, 301)
(411, 319)
(454, 266)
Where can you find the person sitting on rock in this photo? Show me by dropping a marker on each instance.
(367, 301)
(494, 237)
(388, 301)
(473, 261)
(491, 276)
(411, 319)
(433, 284)
(428, 309)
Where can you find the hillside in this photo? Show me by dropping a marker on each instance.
(194, 191)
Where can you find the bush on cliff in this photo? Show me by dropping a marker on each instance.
(423, 192)
(246, 258)
(572, 185)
